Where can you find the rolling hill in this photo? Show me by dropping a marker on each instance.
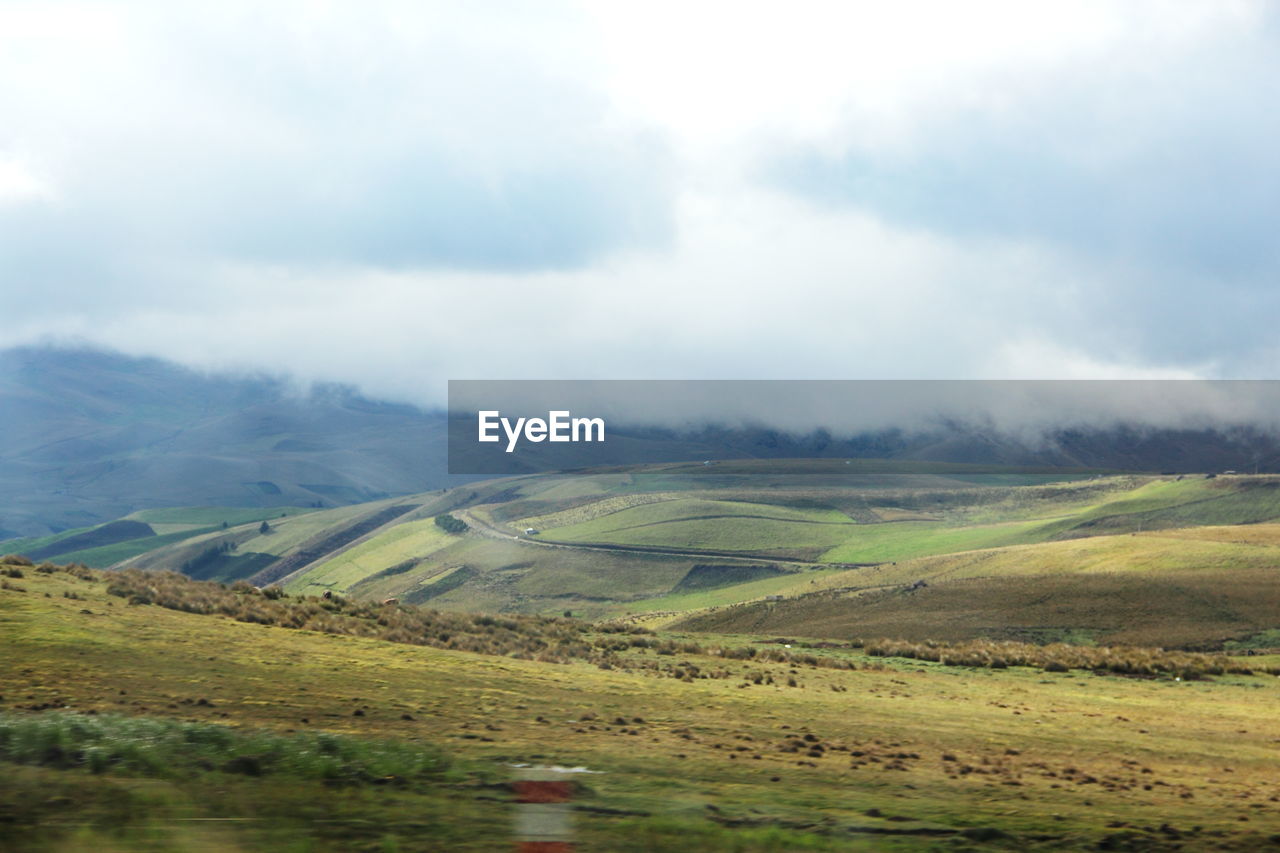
(89, 436)
(156, 712)
(814, 548)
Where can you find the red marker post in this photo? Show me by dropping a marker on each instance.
(543, 823)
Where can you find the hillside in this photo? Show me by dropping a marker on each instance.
(612, 549)
(1208, 585)
(88, 436)
(496, 566)
(1005, 552)
(141, 713)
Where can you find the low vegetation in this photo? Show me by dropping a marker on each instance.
(169, 749)
(564, 639)
(757, 742)
(451, 524)
(1062, 657)
(549, 639)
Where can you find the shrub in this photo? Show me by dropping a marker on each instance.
(1059, 657)
(174, 749)
(451, 524)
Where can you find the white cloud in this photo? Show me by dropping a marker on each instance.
(712, 72)
(19, 185)
(394, 194)
(761, 286)
(1033, 358)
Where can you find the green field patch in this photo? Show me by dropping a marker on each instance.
(440, 585)
(170, 748)
(413, 540)
(1169, 504)
(1268, 639)
(555, 575)
(547, 516)
(793, 583)
(1197, 610)
(287, 534)
(111, 533)
(704, 576)
(715, 525)
(109, 555)
(215, 564)
(1195, 550)
(27, 545)
(901, 540)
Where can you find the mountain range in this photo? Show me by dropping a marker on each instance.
(88, 435)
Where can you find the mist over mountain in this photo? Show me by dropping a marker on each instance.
(87, 436)
(1130, 448)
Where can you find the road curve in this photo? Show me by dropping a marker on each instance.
(488, 529)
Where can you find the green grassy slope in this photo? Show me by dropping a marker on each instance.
(1198, 587)
(758, 755)
(251, 550)
(1152, 505)
(712, 525)
(410, 542)
(889, 513)
(172, 526)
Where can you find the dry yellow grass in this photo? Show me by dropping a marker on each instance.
(1044, 761)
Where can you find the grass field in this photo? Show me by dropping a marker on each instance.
(1255, 546)
(109, 555)
(252, 549)
(893, 754)
(520, 577)
(682, 602)
(900, 540)
(410, 541)
(798, 512)
(290, 533)
(1205, 587)
(171, 526)
(914, 523)
(712, 525)
(21, 546)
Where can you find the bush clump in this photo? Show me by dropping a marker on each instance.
(1061, 657)
(149, 746)
(451, 524)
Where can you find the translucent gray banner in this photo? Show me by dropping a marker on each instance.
(526, 426)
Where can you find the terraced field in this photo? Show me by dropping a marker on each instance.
(403, 545)
(712, 525)
(622, 543)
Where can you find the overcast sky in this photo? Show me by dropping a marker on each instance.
(397, 194)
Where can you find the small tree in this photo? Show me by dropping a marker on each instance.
(264, 528)
(451, 524)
